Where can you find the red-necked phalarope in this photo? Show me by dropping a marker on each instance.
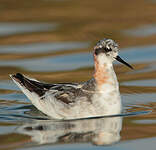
(97, 97)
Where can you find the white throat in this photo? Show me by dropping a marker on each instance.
(104, 72)
(107, 89)
(104, 60)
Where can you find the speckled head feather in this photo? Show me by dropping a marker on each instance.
(110, 49)
(106, 46)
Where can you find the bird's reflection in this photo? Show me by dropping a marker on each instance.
(103, 131)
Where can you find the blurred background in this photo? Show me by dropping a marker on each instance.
(52, 40)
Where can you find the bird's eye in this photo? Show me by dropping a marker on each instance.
(102, 50)
(107, 49)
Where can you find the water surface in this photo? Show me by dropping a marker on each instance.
(19, 28)
(53, 42)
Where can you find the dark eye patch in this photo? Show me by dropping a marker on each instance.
(102, 50)
(98, 51)
(107, 50)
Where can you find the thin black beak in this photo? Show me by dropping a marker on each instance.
(122, 61)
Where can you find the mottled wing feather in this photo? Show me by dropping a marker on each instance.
(64, 92)
(64, 97)
(69, 93)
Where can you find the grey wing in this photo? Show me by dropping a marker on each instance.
(70, 93)
(66, 93)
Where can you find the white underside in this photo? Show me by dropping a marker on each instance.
(103, 103)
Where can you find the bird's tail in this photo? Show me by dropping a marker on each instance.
(36, 91)
(31, 85)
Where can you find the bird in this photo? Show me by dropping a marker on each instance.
(99, 96)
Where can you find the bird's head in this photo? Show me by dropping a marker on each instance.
(107, 48)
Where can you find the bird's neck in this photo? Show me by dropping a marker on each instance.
(104, 74)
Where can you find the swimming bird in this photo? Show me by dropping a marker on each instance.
(99, 96)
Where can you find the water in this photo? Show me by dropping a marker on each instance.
(48, 41)
(42, 47)
(142, 31)
(19, 28)
(70, 62)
